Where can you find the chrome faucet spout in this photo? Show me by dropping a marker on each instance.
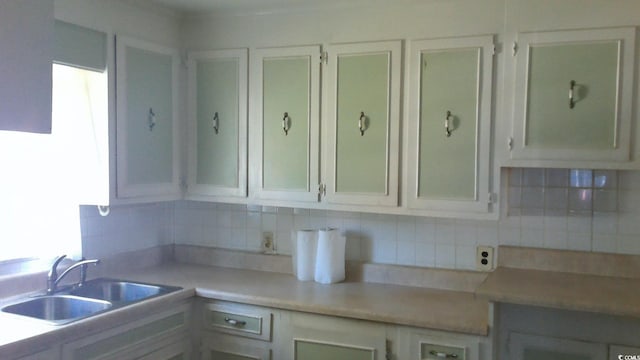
(53, 279)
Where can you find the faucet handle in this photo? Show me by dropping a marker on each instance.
(53, 272)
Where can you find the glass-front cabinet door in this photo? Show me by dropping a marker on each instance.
(574, 95)
(284, 132)
(448, 132)
(361, 141)
(218, 124)
(147, 128)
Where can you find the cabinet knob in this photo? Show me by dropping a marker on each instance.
(447, 124)
(362, 123)
(151, 119)
(234, 322)
(572, 85)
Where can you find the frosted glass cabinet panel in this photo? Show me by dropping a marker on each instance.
(147, 131)
(574, 95)
(285, 123)
(534, 347)
(363, 123)
(218, 123)
(449, 124)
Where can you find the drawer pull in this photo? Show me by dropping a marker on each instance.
(234, 322)
(443, 355)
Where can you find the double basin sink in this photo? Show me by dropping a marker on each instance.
(92, 298)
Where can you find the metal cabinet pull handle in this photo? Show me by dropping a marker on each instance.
(443, 355)
(572, 103)
(151, 119)
(216, 122)
(361, 122)
(234, 322)
(286, 123)
(447, 124)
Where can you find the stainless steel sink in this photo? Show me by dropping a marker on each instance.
(119, 291)
(91, 298)
(58, 309)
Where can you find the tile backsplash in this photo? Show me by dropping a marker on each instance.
(547, 208)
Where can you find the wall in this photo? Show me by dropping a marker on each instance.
(608, 221)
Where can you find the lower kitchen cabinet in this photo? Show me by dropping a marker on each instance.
(316, 337)
(228, 347)
(423, 344)
(534, 347)
(162, 336)
(51, 354)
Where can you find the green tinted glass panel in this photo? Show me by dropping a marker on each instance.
(537, 354)
(551, 123)
(448, 82)
(316, 351)
(285, 156)
(363, 87)
(133, 336)
(149, 87)
(217, 89)
(220, 355)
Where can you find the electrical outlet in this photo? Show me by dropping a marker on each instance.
(268, 245)
(484, 258)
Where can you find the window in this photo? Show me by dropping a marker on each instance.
(45, 177)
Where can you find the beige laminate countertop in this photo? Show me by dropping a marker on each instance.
(563, 290)
(401, 305)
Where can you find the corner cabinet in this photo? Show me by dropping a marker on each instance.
(574, 96)
(26, 39)
(285, 124)
(361, 138)
(147, 132)
(449, 127)
(217, 164)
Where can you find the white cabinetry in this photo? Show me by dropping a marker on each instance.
(26, 39)
(217, 144)
(449, 127)
(147, 138)
(573, 97)
(161, 336)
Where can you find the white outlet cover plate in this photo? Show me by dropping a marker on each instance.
(480, 251)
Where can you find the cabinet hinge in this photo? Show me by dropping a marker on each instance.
(515, 48)
(322, 190)
(490, 198)
(493, 49)
(510, 143)
(324, 57)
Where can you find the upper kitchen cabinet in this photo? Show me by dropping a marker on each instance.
(284, 131)
(574, 97)
(26, 39)
(361, 141)
(217, 98)
(146, 128)
(448, 132)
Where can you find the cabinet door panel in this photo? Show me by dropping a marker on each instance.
(218, 130)
(363, 87)
(573, 96)
(362, 139)
(147, 128)
(308, 350)
(285, 118)
(449, 125)
(534, 347)
(286, 84)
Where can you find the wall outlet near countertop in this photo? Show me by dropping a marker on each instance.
(484, 258)
(268, 243)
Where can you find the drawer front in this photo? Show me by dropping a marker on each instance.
(238, 319)
(434, 351)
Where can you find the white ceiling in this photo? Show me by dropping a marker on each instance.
(255, 6)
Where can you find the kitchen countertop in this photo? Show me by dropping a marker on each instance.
(401, 305)
(563, 290)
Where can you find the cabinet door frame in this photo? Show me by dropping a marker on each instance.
(234, 345)
(256, 131)
(518, 342)
(621, 151)
(198, 191)
(156, 191)
(390, 196)
(481, 201)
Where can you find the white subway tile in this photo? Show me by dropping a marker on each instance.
(605, 223)
(466, 235)
(604, 243)
(465, 257)
(557, 178)
(532, 238)
(556, 198)
(533, 177)
(533, 197)
(605, 200)
(446, 256)
(406, 253)
(579, 241)
(555, 239)
(425, 255)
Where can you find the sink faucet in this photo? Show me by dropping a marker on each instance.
(53, 279)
